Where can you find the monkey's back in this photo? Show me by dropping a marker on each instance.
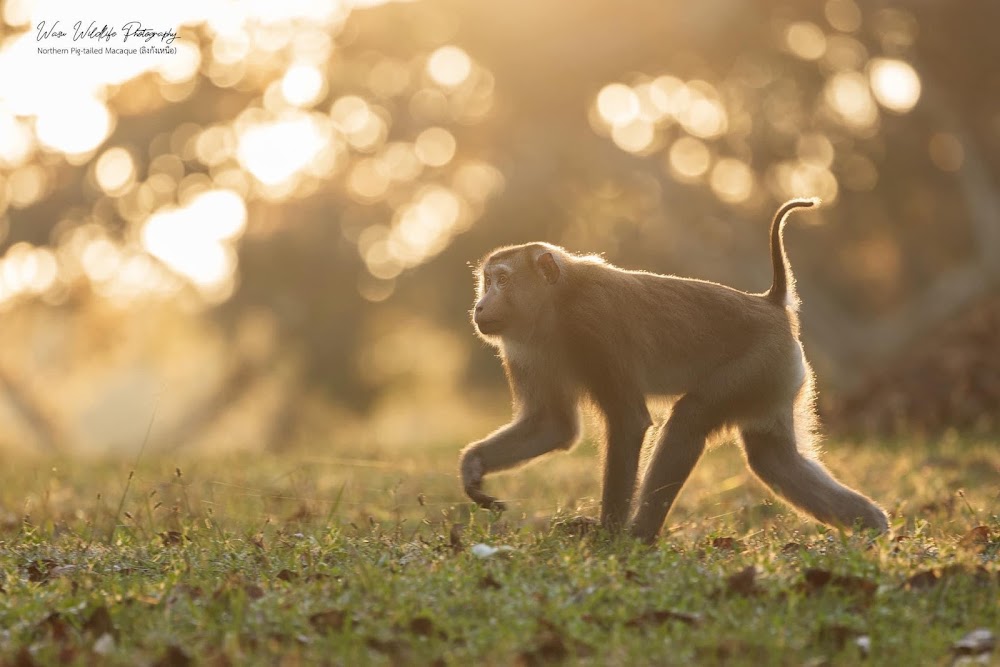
(672, 333)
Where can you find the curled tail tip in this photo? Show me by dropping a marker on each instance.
(803, 202)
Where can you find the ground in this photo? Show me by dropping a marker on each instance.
(324, 559)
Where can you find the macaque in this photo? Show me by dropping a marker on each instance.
(573, 328)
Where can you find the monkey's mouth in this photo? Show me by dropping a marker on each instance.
(489, 327)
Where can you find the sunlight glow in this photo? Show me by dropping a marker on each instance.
(194, 240)
(275, 151)
(634, 137)
(732, 180)
(895, 83)
(617, 104)
(848, 95)
(367, 182)
(101, 259)
(181, 66)
(793, 178)
(76, 128)
(449, 66)
(844, 53)
(16, 140)
(364, 129)
(703, 117)
(215, 144)
(400, 162)
(815, 149)
(806, 40)
(689, 158)
(435, 147)
(844, 15)
(27, 269)
(26, 185)
(477, 181)
(303, 85)
(669, 94)
(423, 228)
(115, 171)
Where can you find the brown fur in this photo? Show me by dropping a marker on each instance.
(571, 327)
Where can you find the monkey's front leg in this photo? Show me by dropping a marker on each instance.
(515, 443)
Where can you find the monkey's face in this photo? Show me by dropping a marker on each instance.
(513, 294)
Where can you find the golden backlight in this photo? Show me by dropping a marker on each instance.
(275, 149)
(195, 240)
(390, 134)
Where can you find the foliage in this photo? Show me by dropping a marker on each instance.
(268, 561)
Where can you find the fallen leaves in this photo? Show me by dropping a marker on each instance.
(174, 656)
(551, 644)
(331, 620)
(99, 623)
(743, 582)
(816, 579)
(726, 544)
(978, 539)
(935, 576)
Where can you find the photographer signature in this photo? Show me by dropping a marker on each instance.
(105, 33)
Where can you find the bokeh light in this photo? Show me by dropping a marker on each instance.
(634, 137)
(732, 180)
(895, 83)
(75, 129)
(848, 95)
(274, 151)
(618, 104)
(115, 170)
(843, 15)
(26, 269)
(435, 147)
(303, 85)
(449, 66)
(16, 140)
(194, 240)
(806, 40)
(689, 158)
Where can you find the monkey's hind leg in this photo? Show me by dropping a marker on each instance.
(678, 447)
(803, 481)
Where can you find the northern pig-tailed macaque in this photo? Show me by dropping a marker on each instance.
(571, 328)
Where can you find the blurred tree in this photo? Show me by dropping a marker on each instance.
(312, 177)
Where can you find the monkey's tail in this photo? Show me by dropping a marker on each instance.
(782, 286)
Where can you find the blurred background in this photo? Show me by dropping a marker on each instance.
(264, 239)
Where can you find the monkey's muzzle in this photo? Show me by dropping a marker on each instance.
(487, 327)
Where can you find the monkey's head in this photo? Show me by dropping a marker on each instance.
(515, 289)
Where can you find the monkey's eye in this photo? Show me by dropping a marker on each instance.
(486, 281)
(502, 280)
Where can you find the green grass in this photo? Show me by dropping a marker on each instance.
(305, 559)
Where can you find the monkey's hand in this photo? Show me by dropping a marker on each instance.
(472, 480)
(484, 499)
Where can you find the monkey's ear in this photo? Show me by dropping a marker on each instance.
(547, 263)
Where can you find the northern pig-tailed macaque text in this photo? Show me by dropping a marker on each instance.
(573, 328)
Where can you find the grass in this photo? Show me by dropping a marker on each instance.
(305, 559)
